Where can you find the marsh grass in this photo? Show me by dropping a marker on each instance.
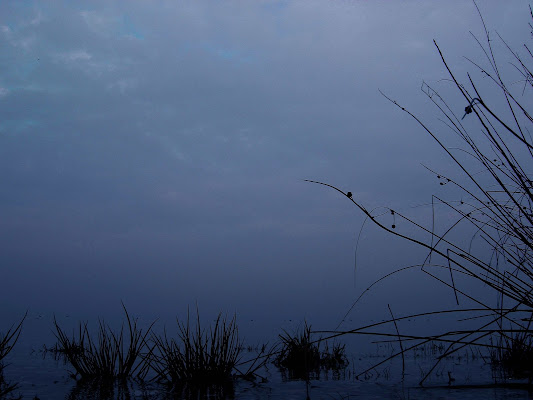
(334, 358)
(200, 361)
(7, 388)
(302, 357)
(512, 356)
(495, 202)
(7, 342)
(299, 354)
(107, 355)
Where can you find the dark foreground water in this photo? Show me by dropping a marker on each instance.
(41, 376)
(49, 379)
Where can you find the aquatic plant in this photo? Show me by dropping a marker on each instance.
(495, 202)
(512, 355)
(200, 361)
(335, 358)
(108, 355)
(302, 357)
(299, 354)
(7, 342)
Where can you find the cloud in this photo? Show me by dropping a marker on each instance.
(39, 18)
(190, 126)
(76, 55)
(97, 22)
(124, 85)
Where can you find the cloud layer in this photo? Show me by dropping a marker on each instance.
(155, 151)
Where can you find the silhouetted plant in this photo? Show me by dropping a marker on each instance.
(7, 342)
(512, 355)
(108, 356)
(496, 202)
(302, 358)
(6, 388)
(200, 362)
(334, 358)
(299, 354)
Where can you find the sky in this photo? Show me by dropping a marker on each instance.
(155, 152)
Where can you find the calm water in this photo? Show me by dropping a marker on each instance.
(46, 378)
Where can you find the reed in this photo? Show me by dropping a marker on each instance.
(512, 355)
(7, 342)
(496, 203)
(335, 358)
(107, 355)
(302, 358)
(200, 360)
(299, 354)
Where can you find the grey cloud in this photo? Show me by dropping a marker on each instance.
(176, 135)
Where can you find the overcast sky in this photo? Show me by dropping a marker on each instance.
(154, 152)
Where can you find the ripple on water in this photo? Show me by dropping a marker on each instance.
(47, 378)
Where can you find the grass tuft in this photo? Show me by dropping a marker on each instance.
(7, 342)
(512, 355)
(108, 356)
(302, 358)
(199, 361)
(334, 359)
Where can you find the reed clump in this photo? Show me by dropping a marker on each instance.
(512, 355)
(108, 355)
(7, 342)
(200, 360)
(302, 357)
(335, 358)
(491, 197)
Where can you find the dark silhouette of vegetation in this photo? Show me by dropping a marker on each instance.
(299, 354)
(200, 361)
(496, 203)
(302, 357)
(512, 355)
(109, 356)
(7, 342)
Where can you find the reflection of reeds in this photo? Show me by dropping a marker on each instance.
(107, 356)
(7, 341)
(496, 204)
(200, 360)
(95, 389)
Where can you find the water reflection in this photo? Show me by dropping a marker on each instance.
(95, 389)
(49, 378)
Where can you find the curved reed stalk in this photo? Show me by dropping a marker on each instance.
(496, 201)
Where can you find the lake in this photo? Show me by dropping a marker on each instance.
(41, 376)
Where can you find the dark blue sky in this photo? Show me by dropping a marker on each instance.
(154, 152)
